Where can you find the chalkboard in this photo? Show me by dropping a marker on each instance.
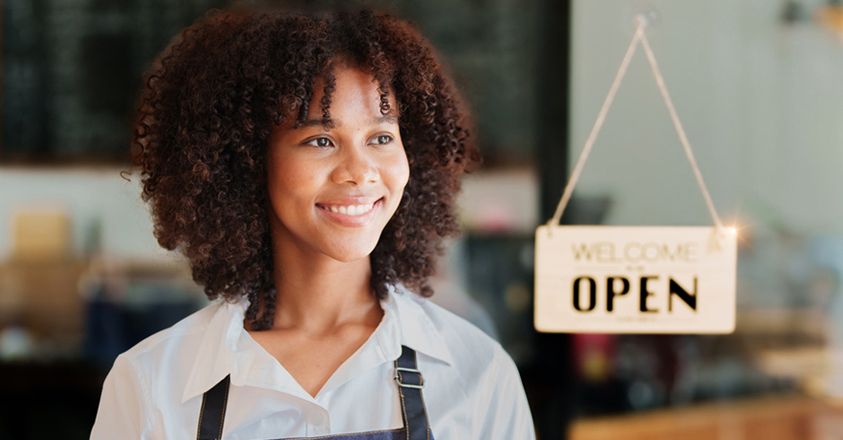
(72, 73)
(72, 69)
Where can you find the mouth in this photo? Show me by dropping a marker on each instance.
(353, 210)
(351, 213)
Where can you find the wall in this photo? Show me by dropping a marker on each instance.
(89, 196)
(761, 101)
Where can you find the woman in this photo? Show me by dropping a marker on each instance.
(307, 166)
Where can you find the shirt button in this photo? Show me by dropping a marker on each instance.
(317, 419)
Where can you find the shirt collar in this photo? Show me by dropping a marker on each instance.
(215, 356)
(417, 330)
(221, 351)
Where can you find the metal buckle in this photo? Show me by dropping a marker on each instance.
(408, 385)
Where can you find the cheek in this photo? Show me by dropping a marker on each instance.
(399, 173)
(292, 181)
(399, 176)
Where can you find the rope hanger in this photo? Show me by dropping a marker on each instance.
(639, 37)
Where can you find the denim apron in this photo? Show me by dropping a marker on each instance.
(410, 384)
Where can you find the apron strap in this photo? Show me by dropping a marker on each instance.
(410, 383)
(212, 414)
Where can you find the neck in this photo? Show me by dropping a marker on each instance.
(318, 294)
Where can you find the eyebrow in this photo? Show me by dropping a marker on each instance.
(390, 118)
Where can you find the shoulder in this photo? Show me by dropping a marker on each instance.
(143, 383)
(464, 340)
(480, 376)
(166, 339)
(170, 351)
(476, 356)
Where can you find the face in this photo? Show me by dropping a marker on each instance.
(332, 190)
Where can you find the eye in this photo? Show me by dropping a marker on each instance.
(319, 142)
(382, 139)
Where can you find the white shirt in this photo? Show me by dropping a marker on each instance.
(472, 388)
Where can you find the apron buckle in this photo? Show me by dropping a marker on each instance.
(399, 376)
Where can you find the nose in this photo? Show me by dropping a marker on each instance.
(356, 166)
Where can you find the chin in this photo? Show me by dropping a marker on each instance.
(350, 254)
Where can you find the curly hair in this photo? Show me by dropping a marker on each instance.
(211, 101)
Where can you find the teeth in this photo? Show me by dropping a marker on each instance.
(351, 209)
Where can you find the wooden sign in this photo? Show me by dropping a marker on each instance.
(635, 279)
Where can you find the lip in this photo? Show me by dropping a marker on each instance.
(351, 200)
(351, 221)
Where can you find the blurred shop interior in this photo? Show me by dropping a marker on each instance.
(758, 85)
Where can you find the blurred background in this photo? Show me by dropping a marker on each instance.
(758, 85)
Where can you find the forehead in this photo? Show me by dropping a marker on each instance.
(355, 98)
(351, 86)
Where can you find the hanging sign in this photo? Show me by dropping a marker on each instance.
(635, 279)
(628, 279)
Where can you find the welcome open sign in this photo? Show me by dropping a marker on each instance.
(635, 279)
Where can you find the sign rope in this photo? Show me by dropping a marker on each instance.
(639, 37)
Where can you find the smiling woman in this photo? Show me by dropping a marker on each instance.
(230, 83)
(307, 165)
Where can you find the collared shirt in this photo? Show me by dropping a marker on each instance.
(472, 388)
